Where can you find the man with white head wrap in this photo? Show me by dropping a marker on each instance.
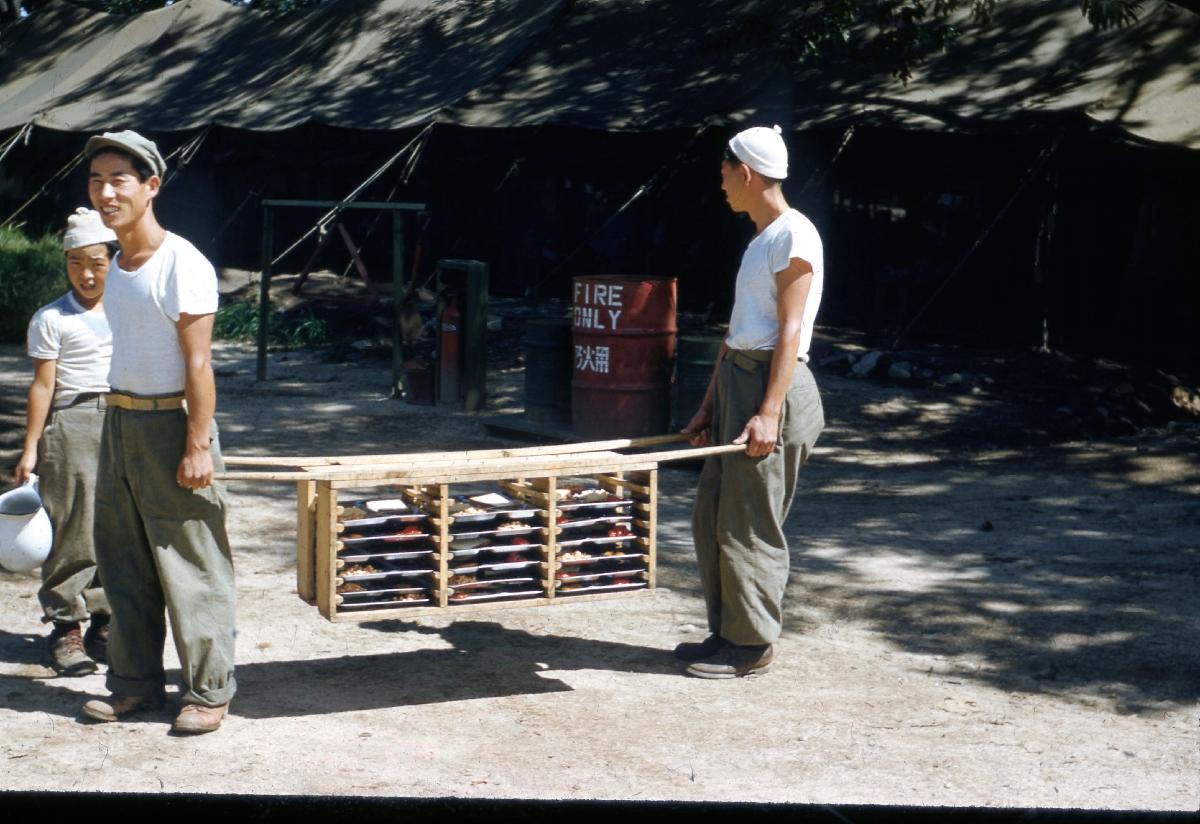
(71, 344)
(762, 394)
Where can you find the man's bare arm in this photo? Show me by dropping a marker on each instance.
(41, 395)
(200, 389)
(762, 431)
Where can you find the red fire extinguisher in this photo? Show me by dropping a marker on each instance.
(450, 360)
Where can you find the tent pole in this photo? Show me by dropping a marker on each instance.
(399, 384)
(264, 291)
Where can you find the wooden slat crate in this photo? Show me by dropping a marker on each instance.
(430, 484)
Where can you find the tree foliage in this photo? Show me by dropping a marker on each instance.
(900, 33)
(897, 33)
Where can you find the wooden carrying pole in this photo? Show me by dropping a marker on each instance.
(425, 457)
(444, 468)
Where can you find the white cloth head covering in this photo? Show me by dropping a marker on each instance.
(85, 228)
(762, 150)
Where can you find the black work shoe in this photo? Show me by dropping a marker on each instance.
(699, 651)
(733, 661)
(95, 640)
(64, 649)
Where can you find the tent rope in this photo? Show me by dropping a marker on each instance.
(818, 176)
(323, 222)
(59, 175)
(1029, 175)
(12, 141)
(645, 187)
(186, 152)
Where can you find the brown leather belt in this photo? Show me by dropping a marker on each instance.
(144, 404)
(750, 359)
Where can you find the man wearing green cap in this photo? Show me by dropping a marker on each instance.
(160, 518)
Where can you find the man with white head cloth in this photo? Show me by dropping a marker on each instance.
(762, 394)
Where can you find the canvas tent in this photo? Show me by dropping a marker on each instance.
(601, 64)
(578, 87)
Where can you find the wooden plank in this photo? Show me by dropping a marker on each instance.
(652, 529)
(550, 501)
(306, 540)
(406, 613)
(426, 457)
(326, 520)
(444, 545)
(460, 473)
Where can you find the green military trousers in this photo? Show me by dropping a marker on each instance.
(68, 452)
(742, 502)
(161, 546)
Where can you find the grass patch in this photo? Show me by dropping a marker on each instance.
(33, 272)
(239, 321)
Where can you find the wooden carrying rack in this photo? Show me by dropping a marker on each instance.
(430, 565)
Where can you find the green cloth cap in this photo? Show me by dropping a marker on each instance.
(128, 141)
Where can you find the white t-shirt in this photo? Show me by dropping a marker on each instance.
(79, 339)
(755, 320)
(144, 306)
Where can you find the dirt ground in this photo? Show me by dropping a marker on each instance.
(982, 611)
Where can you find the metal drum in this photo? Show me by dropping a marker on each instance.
(548, 370)
(695, 359)
(624, 330)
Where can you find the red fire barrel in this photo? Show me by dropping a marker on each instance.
(624, 338)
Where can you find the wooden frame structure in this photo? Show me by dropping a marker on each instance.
(427, 480)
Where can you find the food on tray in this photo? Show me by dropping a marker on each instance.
(351, 513)
(561, 519)
(566, 573)
(387, 505)
(577, 555)
(612, 499)
(620, 531)
(411, 530)
(410, 596)
(468, 543)
(359, 569)
(458, 596)
(614, 552)
(515, 558)
(590, 496)
(568, 587)
(471, 510)
(455, 580)
(511, 525)
(351, 588)
(519, 541)
(491, 499)
(621, 581)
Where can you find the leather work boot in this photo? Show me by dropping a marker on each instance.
(64, 648)
(734, 661)
(693, 651)
(195, 718)
(116, 707)
(95, 640)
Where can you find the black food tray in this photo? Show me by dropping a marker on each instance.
(375, 593)
(599, 559)
(494, 582)
(386, 571)
(525, 530)
(573, 506)
(362, 606)
(596, 539)
(360, 556)
(579, 575)
(471, 570)
(383, 539)
(496, 596)
(609, 520)
(605, 588)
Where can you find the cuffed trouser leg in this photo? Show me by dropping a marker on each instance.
(742, 502)
(159, 546)
(68, 452)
